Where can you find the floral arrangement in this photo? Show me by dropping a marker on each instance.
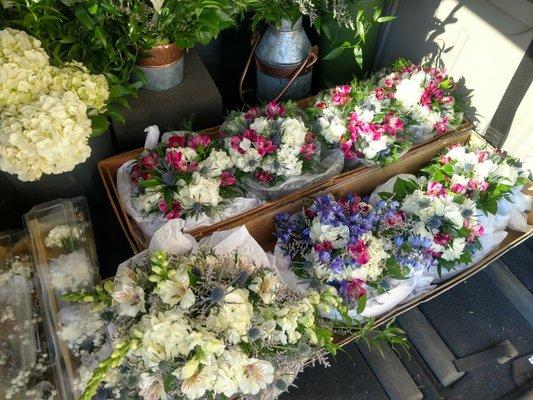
(45, 111)
(270, 145)
(184, 176)
(351, 244)
(202, 325)
(366, 127)
(481, 174)
(424, 94)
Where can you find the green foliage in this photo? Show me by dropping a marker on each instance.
(402, 188)
(109, 36)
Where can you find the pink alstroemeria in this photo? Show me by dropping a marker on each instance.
(308, 150)
(359, 252)
(227, 179)
(137, 175)
(393, 124)
(482, 155)
(263, 176)
(264, 146)
(441, 126)
(340, 95)
(199, 141)
(176, 141)
(175, 212)
(388, 82)
(346, 148)
(435, 189)
(275, 109)
(175, 159)
(252, 113)
(442, 238)
(250, 135)
(235, 143)
(445, 160)
(379, 92)
(321, 105)
(149, 161)
(458, 188)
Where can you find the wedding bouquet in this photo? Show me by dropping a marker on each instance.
(484, 175)
(204, 322)
(425, 95)
(185, 176)
(272, 148)
(353, 246)
(44, 110)
(365, 126)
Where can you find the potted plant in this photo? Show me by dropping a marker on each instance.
(284, 55)
(166, 28)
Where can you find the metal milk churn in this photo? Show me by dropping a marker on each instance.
(284, 61)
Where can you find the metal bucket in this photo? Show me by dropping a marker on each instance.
(284, 59)
(163, 67)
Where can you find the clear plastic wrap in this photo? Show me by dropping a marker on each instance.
(64, 255)
(26, 365)
(331, 164)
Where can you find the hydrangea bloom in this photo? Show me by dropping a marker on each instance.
(44, 124)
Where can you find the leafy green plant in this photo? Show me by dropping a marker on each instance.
(109, 36)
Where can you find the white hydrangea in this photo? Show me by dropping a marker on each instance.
(217, 162)
(332, 125)
(410, 89)
(294, 132)
(289, 163)
(44, 128)
(337, 235)
(201, 190)
(49, 136)
(60, 233)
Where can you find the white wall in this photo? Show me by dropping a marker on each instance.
(480, 40)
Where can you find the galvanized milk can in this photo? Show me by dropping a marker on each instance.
(284, 60)
(162, 67)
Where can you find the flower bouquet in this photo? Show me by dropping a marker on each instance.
(488, 176)
(185, 176)
(367, 127)
(424, 95)
(204, 321)
(45, 111)
(367, 252)
(273, 151)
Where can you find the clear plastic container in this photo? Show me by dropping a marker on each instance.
(26, 364)
(64, 256)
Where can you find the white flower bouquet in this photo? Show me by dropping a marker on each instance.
(205, 321)
(185, 176)
(274, 151)
(44, 110)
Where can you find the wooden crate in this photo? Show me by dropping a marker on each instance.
(138, 241)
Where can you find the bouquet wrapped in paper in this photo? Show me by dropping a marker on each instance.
(274, 152)
(205, 320)
(184, 176)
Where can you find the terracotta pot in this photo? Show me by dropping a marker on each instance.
(162, 67)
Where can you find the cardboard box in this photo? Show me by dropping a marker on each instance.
(138, 241)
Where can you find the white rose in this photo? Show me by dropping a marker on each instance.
(259, 125)
(201, 190)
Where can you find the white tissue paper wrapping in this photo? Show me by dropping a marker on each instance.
(330, 165)
(151, 223)
(171, 239)
(516, 208)
(376, 304)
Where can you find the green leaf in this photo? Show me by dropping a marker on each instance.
(99, 124)
(377, 13)
(361, 304)
(100, 35)
(118, 91)
(336, 52)
(149, 183)
(361, 30)
(385, 19)
(83, 16)
(358, 55)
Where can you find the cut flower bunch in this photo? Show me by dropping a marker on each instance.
(270, 144)
(409, 232)
(376, 121)
(45, 111)
(206, 323)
